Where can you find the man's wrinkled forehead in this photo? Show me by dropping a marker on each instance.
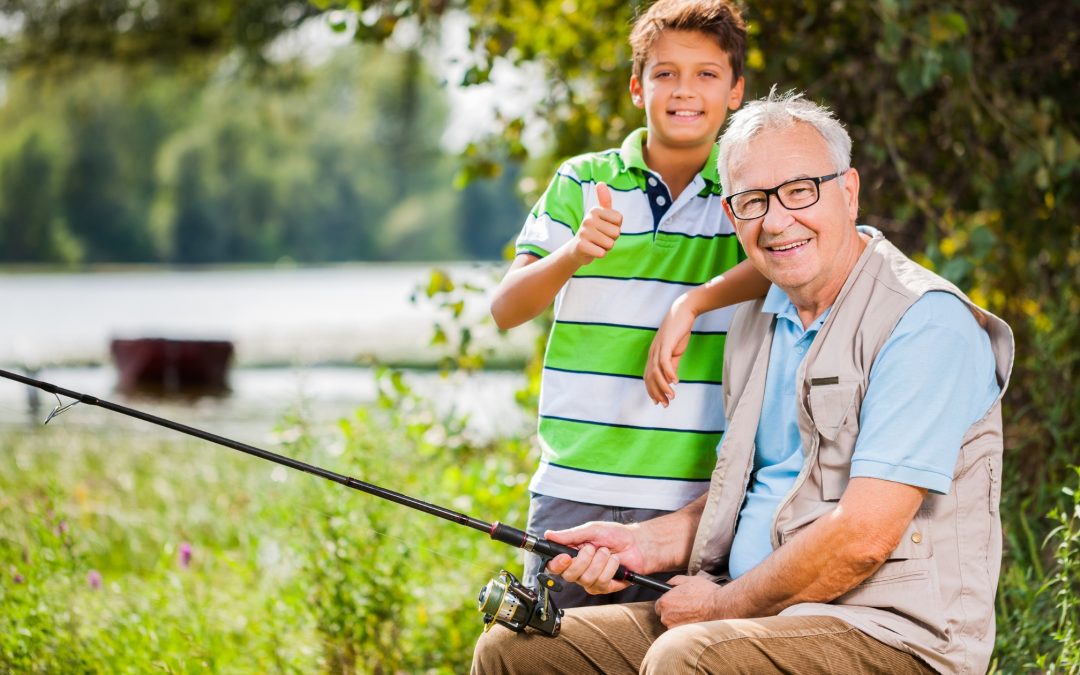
(802, 142)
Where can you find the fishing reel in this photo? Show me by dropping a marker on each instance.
(507, 601)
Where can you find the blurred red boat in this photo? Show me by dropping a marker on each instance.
(168, 366)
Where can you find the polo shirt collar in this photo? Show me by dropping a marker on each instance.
(778, 303)
(633, 156)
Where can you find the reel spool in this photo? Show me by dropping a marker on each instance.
(505, 600)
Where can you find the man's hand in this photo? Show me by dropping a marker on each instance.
(602, 547)
(598, 231)
(693, 599)
(661, 367)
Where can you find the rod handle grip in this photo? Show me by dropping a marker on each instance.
(550, 549)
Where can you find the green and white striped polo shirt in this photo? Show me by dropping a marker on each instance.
(602, 439)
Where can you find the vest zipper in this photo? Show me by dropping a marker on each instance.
(799, 480)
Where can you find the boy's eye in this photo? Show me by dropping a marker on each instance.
(708, 73)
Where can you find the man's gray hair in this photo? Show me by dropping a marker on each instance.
(781, 111)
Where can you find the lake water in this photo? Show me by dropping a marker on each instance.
(292, 328)
(291, 316)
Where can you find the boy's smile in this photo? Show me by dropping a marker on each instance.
(686, 90)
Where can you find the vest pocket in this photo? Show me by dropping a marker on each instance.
(833, 412)
(829, 407)
(916, 542)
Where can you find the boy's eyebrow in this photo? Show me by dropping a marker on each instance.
(715, 64)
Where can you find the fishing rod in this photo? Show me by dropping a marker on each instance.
(503, 599)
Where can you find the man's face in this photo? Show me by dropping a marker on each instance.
(686, 89)
(809, 249)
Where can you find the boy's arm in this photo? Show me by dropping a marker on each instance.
(740, 283)
(532, 283)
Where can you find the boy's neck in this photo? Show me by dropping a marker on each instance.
(677, 166)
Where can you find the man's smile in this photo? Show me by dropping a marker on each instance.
(777, 248)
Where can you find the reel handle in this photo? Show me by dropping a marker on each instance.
(550, 549)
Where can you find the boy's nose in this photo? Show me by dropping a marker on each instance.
(683, 89)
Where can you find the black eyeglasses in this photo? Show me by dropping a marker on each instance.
(793, 195)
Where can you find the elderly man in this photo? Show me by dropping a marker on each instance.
(851, 524)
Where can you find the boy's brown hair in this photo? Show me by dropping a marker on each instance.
(719, 19)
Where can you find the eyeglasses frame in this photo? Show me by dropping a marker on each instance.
(775, 191)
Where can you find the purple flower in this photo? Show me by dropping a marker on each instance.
(183, 556)
(18, 578)
(93, 577)
(61, 527)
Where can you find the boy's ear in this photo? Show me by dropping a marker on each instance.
(736, 95)
(637, 93)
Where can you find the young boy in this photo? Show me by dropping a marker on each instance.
(615, 239)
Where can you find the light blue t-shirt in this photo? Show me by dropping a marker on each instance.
(932, 379)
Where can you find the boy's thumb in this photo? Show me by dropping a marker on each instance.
(603, 195)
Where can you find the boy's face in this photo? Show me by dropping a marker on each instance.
(686, 89)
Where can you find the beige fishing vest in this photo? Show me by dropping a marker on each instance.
(935, 596)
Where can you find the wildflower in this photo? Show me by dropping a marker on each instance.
(93, 577)
(18, 578)
(62, 527)
(183, 556)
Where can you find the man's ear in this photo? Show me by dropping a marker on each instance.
(851, 191)
(637, 93)
(733, 219)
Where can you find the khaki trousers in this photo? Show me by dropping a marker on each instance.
(630, 639)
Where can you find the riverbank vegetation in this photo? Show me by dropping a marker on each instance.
(128, 552)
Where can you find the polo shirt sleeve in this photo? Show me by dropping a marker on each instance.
(931, 381)
(555, 217)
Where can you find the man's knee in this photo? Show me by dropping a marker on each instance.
(492, 651)
(676, 651)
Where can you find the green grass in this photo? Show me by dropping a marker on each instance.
(288, 573)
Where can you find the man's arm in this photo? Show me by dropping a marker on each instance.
(829, 557)
(658, 545)
(531, 284)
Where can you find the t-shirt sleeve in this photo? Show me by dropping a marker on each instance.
(556, 216)
(931, 381)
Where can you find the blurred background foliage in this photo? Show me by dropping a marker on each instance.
(137, 130)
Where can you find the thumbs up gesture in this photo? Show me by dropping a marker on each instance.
(599, 229)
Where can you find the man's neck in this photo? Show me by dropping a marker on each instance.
(677, 166)
(812, 300)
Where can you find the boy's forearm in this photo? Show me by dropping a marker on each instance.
(530, 286)
(740, 283)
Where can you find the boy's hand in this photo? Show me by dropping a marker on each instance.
(602, 547)
(661, 367)
(599, 229)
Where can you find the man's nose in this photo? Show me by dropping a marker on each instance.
(777, 218)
